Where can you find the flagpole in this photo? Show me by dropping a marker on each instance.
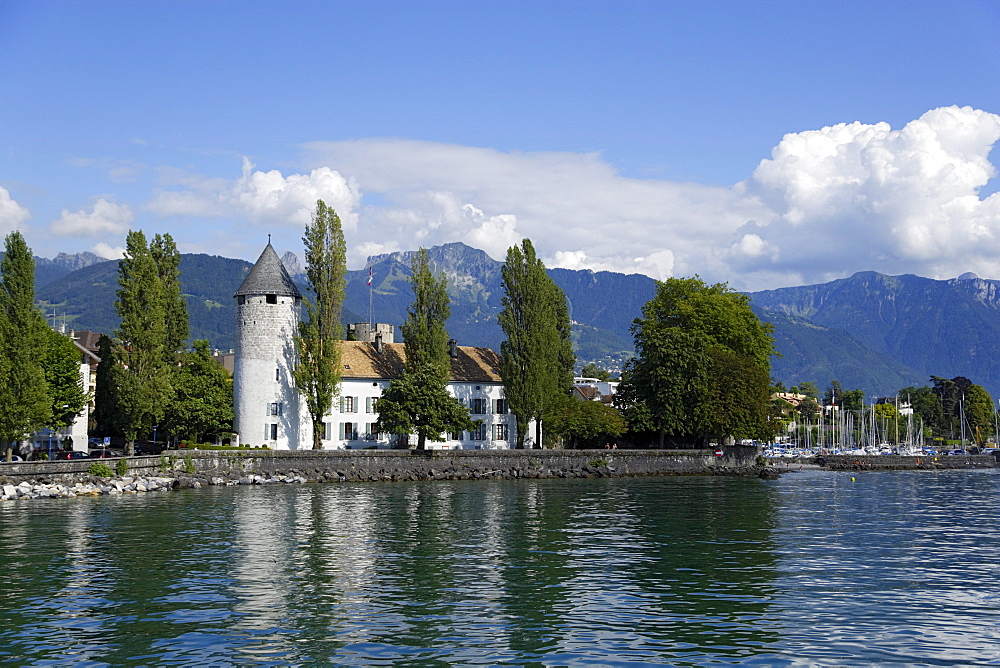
(371, 323)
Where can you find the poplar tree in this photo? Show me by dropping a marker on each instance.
(168, 269)
(317, 371)
(105, 395)
(25, 405)
(141, 375)
(418, 400)
(536, 360)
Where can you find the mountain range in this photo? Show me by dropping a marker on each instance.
(870, 331)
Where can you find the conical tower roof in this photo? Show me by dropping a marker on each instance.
(268, 277)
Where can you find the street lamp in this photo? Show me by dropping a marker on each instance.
(154, 435)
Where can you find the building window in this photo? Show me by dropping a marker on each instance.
(455, 435)
(348, 404)
(277, 374)
(271, 299)
(327, 431)
(499, 432)
(478, 406)
(371, 433)
(348, 431)
(500, 407)
(241, 300)
(271, 432)
(275, 408)
(479, 433)
(371, 404)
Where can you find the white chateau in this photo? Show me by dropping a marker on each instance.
(267, 404)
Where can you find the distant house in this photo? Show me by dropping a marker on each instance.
(592, 389)
(791, 397)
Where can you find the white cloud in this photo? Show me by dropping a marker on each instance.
(576, 209)
(855, 196)
(108, 252)
(105, 218)
(827, 203)
(262, 198)
(12, 214)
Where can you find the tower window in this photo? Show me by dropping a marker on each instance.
(241, 300)
(271, 299)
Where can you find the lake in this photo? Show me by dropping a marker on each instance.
(814, 568)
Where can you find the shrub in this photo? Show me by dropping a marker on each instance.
(121, 468)
(189, 465)
(100, 469)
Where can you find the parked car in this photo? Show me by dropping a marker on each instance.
(104, 454)
(13, 459)
(72, 454)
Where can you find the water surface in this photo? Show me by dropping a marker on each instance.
(810, 569)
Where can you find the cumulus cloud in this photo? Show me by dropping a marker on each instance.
(577, 210)
(12, 214)
(854, 196)
(108, 252)
(262, 198)
(104, 218)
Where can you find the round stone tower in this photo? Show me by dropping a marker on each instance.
(268, 307)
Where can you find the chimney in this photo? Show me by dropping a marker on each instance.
(453, 345)
(378, 342)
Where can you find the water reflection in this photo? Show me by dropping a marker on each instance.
(809, 569)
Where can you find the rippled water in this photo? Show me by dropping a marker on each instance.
(810, 569)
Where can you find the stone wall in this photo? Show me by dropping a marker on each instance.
(458, 464)
(900, 462)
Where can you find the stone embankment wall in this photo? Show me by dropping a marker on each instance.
(389, 465)
(394, 465)
(900, 462)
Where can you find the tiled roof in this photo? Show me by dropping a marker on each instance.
(268, 277)
(361, 360)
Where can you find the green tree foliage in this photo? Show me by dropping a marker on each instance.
(202, 405)
(591, 370)
(62, 374)
(424, 331)
(852, 400)
(809, 389)
(417, 402)
(168, 269)
(536, 360)
(418, 399)
(24, 397)
(834, 394)
(703, 363)
(979, 410)
(141, 374)
(585, 424)
(317, 372)
(105, 395)
(808, 408)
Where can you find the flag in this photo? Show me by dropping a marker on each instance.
(369, 275)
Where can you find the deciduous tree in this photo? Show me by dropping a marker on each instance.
(202, 403)
(62, 374)
(317, 371)
(703, 363)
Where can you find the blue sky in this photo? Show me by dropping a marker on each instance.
(760, 143)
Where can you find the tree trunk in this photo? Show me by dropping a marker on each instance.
(317, 434)
(421, 440)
